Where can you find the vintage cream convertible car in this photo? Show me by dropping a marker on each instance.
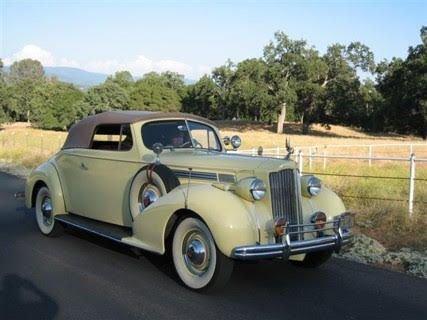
(164, 182)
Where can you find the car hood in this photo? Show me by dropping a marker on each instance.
(221, 161)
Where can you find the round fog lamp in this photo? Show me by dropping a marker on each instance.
(279, 227)
(319, 220)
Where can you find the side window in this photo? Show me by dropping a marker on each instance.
(112, 137)
(203, 136)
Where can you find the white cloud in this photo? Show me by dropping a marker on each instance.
(32, 51)
(137, 66)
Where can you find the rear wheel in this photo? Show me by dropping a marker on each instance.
(198, 262)
(44, 214)
(313, 259)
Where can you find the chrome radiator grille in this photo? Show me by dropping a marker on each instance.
(286, 195)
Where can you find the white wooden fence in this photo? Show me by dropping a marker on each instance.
(312, 153)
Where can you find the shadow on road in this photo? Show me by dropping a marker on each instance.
(20, 297)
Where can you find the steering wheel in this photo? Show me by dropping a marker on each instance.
(197, 144)
(186, 143)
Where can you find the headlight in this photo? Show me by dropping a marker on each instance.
(251, 189)
(311, 186)
(257, 189)
(314, 186)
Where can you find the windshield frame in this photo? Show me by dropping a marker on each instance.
(218, 140)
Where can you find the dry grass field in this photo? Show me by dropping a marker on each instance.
(381, 204)
(254, 135)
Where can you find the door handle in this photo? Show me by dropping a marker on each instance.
(83, 166)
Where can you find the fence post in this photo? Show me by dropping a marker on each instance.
(300, 162)
(41, 144)
(411, 183)
(253, 152)
(370, 155)
(324, 158)
(278, 152)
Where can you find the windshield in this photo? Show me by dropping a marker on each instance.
(175, 134)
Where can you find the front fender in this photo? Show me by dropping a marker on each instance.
(47, 174)
(327, 201)
(226, 215)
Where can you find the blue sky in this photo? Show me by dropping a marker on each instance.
(191, 37)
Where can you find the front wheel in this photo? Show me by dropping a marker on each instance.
(199, 264)
(313, 259)
(44, 214)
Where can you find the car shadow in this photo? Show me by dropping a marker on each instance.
(19, 296)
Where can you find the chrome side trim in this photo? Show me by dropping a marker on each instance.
(227, 178)
(211, 176)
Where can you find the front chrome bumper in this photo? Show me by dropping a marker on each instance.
(340, 236)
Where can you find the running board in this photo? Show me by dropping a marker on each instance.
(103, 229)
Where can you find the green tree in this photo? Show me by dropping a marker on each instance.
(26, 69)
(24, 77)
(154, 93)
(283, 57)
(222, 77)
(297, 76)
(4, 97)
(53, 105)
(403, 84)
(249, 92)
(201, 98)
(106, 96)
(122, 78)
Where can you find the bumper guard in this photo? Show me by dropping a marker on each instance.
(338, 237)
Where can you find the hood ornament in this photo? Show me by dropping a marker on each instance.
(289, 149)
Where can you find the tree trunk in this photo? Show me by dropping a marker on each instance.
(281, 119)
(305, 126)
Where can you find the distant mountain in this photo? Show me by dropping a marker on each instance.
(82, 78)
(79, 77)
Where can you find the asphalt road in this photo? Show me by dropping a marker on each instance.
(78, 276)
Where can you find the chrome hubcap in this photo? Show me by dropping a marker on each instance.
(148, 194)
(46, 209)
(196, 252)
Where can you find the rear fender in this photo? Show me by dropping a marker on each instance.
(48, 175)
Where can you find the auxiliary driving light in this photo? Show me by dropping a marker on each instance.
(279, 227)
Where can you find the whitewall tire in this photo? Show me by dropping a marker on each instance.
(148, 185)
(198, 263)
(44, 214)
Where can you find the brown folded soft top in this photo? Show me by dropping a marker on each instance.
(80, 134)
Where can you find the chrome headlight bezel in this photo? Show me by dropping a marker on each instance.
(314, 186)
(311, 186)
(251, 189)
(258, 189)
